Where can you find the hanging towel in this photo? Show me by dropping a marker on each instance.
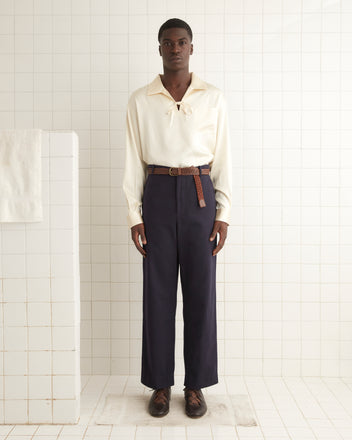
(20, 176)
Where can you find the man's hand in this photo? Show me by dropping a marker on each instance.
(136, 231)
(221, 228)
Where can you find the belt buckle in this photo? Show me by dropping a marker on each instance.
(170, 172)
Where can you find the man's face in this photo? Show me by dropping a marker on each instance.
(175, 48)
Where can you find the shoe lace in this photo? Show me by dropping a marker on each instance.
(193, 396)
(161, 395)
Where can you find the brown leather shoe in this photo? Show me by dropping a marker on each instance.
(159, 402)
(195, 403)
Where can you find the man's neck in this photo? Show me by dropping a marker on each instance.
(176, 79)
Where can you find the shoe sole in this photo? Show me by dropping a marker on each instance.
(192, 416)
(159, 415)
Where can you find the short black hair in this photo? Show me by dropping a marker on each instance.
(175, 23)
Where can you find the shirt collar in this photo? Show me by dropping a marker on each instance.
(156, 86)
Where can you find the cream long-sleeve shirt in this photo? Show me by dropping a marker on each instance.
(160, 134)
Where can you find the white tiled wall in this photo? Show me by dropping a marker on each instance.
(39, 298)
(285, 274)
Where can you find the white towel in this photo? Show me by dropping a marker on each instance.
(20, 176)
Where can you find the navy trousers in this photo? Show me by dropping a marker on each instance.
(177, 232)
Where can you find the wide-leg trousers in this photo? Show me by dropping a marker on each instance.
(177, 231)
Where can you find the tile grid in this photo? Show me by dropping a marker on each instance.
(14, 67)
(52, 347)
(52, 60)
(337, 386)
(2, 401)
(242, 211)
(285, 409)
(281, 191)
(320, 406)
(320, 344)
(29, 317)
(261, 207)
(32, 73)
(49, 210)
(28, 378)
(111, 221)
(291, 363)
(296, 402)
(321, 364)
(91, 275)
(300, 185)
(252, 403)
(341, 371)
(276, 407)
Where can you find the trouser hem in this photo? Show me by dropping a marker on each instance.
(155, 386)
(201, 384)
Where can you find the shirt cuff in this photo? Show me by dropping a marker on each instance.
(134, 218)
(223, 215)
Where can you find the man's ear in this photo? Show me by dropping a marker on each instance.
(159, 50)
(191, 49)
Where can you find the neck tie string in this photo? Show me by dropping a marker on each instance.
(186, 108)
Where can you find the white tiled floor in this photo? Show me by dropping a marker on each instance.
(295, 408)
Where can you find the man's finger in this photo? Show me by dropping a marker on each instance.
(220, 244)
(143, 238)
(214, 232)
(141, 250)
(137, 244)
(218, 248)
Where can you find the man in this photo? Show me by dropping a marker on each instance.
(177, 132)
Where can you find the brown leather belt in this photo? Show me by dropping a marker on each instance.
(186, 171)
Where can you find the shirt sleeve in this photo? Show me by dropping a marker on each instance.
(221, 166)
(135, 171)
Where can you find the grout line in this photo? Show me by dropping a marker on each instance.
(252, 406)
(322, 383)
(51, 286)
(33, 70)
(275, 405)
(49, 218)
(282, 194)
(300, 192)
(26, 375)
(263, 227)
(336, 396)
(284, 380)
(110, 197)
(340, 333)
(71, 65)
(93, 413)
(52, 65)
(3, 329)
(90, 190)
(321, 192)
(242, 197)
(14, 68)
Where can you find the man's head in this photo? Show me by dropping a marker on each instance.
(175, 38)
(175, 23)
